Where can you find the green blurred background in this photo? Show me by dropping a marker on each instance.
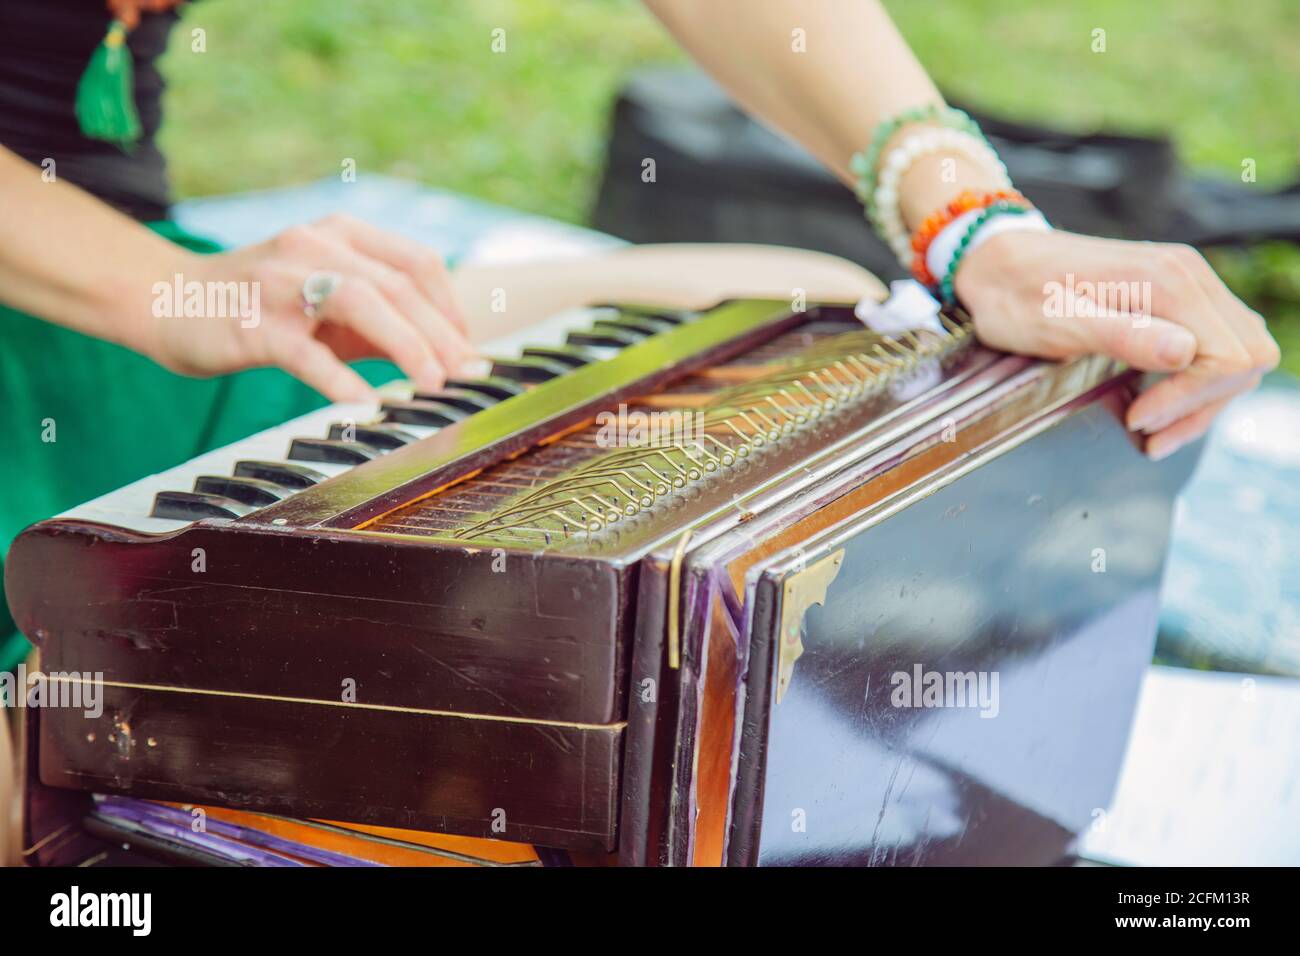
(411, 88)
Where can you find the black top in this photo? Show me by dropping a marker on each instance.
(45, 46)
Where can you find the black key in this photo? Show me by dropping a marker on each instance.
(251, 491)
(498, 388)
(605, 337)
(634, 323)
(377, 436)
(531, 370)
(279, 473)
(570, 355)
(672, 316)
(467, 401)
(335, 452)
(433, 414)
(193, 506)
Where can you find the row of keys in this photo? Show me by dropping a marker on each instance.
(611, 329)
(233, 481)
(256, 483)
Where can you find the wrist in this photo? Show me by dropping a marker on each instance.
(935, 180)
(949, 252)
(130, 298)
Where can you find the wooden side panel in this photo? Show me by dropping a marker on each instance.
(539, 783)
(652, 707)
(297, 615)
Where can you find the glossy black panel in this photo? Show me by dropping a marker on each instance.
(1030, 586)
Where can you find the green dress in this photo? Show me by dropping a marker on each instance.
(113, 417)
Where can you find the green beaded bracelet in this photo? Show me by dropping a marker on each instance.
(864, 164)
(1001, 208)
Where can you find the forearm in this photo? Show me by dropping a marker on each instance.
(74, 261)
(856, 71)
(500, 299)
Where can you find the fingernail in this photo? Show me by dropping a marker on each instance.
(430, 376)
(1176, 347)
(1152, 422)
(1140, 424)
(1158, 450)
(474, 368)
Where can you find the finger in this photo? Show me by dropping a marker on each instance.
(1248, 325)
(1179, 395)
(421, 263)
(314, 363)
(1184, 431)
(447, 343)
(451, 347)
(345, 343)
(1176, 290)
(1143, 342)
(359, 306)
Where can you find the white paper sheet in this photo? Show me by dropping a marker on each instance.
(1212, 775)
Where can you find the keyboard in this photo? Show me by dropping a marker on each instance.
(275, 464)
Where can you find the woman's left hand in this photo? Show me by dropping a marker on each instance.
(1057, 295)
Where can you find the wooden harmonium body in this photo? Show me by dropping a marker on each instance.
(753, 587)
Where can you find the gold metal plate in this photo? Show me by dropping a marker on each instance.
(802, 590)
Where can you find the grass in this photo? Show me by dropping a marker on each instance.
(286, 91)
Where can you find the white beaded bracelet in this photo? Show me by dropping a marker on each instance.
(939, 255)
(884, 211)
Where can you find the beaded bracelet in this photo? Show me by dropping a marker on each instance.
(884, 212)
(864, 164)
(939, 256)
(1000, 208)
(936, 222)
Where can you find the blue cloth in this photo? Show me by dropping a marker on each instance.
(460, 228)
(1231, 597)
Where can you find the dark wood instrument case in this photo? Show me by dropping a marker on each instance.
(634, 695)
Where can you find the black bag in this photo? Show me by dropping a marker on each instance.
(721, 177)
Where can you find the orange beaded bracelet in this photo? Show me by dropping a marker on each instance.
(934, 223)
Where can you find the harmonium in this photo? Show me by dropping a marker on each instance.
(737, 586)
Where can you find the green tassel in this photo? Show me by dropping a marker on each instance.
(106, 93)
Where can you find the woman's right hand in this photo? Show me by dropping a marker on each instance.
(1177, 317)
(394, 300)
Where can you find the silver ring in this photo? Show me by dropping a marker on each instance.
(316, 288)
